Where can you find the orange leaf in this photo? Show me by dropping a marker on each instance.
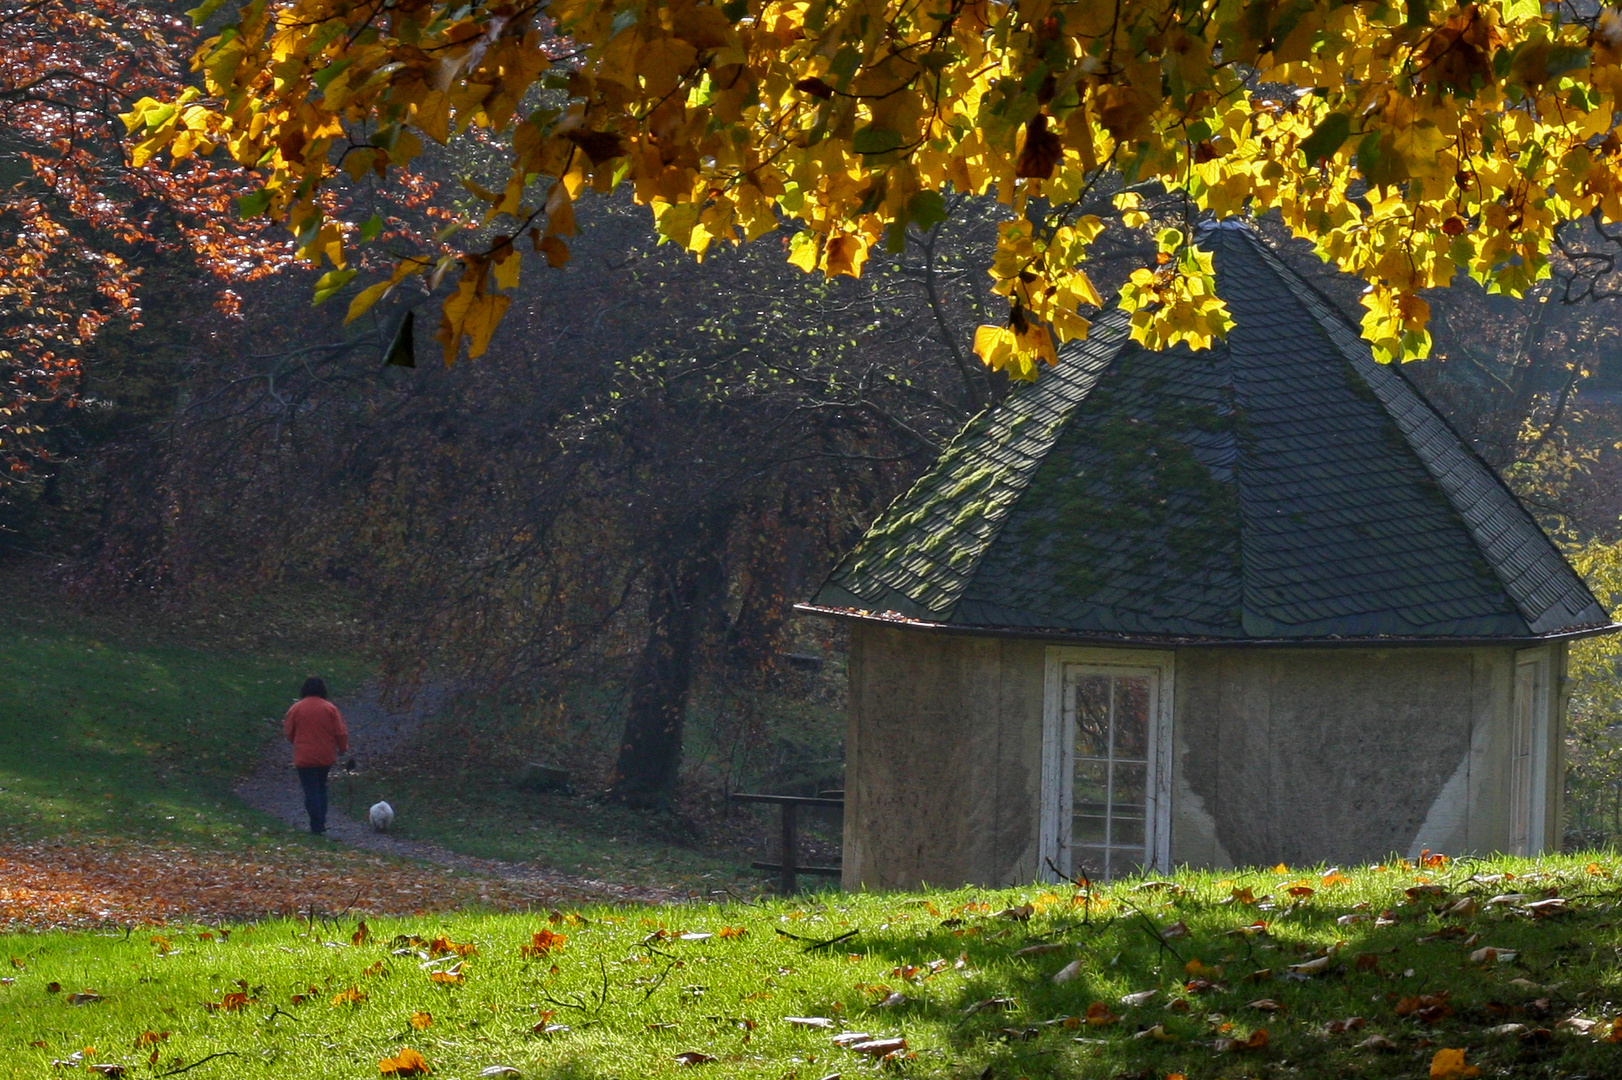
(542, 943)
(1449, 1063)
(353, 996)
(406, 1063)
(362, 932)
(421, 1020)
(446, 978)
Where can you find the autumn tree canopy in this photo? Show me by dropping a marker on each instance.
(1409, 141)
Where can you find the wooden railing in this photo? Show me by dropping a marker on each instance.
(789, 830)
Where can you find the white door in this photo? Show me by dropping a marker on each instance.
(1528, 754)
(1106, 807)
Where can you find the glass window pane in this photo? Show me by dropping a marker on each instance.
(1090, 794)
(1087, 829)
(1132, 718)
(1092, 715)
(1129, 795)
(1127, 831)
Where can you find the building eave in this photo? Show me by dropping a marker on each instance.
(1076, 637)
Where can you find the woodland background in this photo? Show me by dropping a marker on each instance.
(595, 532)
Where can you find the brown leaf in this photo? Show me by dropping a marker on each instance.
(599, 146)
(815, 87)
(693, 1057)
(1042, 152)
(87, 997)
(1377, 1042)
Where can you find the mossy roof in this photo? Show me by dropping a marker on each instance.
(1281, 486)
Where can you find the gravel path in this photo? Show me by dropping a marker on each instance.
(375, 733)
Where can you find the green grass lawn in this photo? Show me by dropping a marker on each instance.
(1373, 973)
(123, 735)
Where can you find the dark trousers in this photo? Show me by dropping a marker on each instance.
(314, 780)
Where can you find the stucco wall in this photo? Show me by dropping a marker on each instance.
(1344, 755)
(1292, 755)
(943, 759)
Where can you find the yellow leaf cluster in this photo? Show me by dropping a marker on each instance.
(1410, 142)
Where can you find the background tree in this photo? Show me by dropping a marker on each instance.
(81, 231)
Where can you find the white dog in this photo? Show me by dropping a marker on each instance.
(382, 815)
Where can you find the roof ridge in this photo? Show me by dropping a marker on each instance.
(1477, 499)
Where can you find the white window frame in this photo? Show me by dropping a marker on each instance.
(1541, 663)
(1059, 749)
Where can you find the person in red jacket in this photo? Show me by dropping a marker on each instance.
(316, 729)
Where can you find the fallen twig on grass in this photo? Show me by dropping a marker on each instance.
(200, 1061)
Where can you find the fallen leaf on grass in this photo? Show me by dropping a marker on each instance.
(1313, 967)
(444, 946)
(892, 999)
(1068, 973)
(1340, 1027)
(421, 1020)
(1377, 1042)
(1098, 1015)
(1245, 895)
(1491, 955)
(542, 943)
(693, 1057)
(732, 932)
(992, 1003)
(694, 935)
(453, 977)
(1427, 1007)
(1018, 914)
(1041, 950)
(851, 1037)
(1506, 1029)
(1142, 996)
(406, 1063)
(1265, 1005)
(1449, 1063)
(149, 1038)
(109, 1068)
(86, 997)
(361, 935)
(235, 1002)
(1580, 1024)
(544, 1028)
(1201, 970)
(1257, 1041)
(490, 1072)
(809, 1021)
(353, 996)
(878, 1047)
(1158, 1033)
(1554, 905)
(1178, 929)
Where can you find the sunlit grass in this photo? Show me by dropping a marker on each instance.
(965, 977)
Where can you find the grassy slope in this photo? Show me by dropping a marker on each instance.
(108, 733)
(632, 993)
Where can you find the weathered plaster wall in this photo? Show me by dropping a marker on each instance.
(1292, 755)
(943, 760)
(1303, 755)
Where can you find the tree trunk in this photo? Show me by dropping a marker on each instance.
(688, 584)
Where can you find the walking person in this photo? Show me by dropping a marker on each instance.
(316, 729)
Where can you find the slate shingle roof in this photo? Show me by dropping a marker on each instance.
(1280, 486)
